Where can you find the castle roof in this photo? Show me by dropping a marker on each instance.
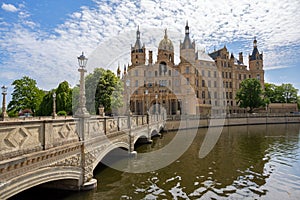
(138, 45)
(166, 43)
(187, 44)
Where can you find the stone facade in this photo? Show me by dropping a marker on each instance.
(199, 84)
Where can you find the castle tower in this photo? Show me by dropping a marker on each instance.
(165, 55)
(165, 50)
(138, 52)
(256, 64)
(187, 48)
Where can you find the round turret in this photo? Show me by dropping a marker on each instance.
(166, 43)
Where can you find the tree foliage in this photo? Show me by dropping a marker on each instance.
(250, 94)
(91, 82)
(46, 106)
(108, 92)
(284, 93)
(26, 95)
(63, 100)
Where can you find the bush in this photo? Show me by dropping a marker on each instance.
(12, 114)
(62, 113)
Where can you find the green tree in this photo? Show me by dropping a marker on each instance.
(249, 95)
(63, 100)
(285, 93)
(91, 82)
(269, 93)
(64, 97)
(108, 92)
(289, 93)
(26, 95)
(75, 98)
(46, 106)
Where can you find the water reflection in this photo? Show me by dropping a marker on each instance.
(254, 162)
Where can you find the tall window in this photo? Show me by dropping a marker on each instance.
(203, 83)
(162, 68)
(187, 70)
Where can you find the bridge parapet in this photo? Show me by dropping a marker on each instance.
(36, 152)
(19, 138)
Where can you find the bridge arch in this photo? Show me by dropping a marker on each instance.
(143, 135)
(40, 176)
(109, 148)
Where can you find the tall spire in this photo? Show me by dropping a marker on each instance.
(138, 33)
(124, 69)
(118, 70)
(254, 42)
(166, 35)
(255, 53)
(187, 44)
(187, 29)
(138, 44)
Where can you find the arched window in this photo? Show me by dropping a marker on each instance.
(162, 68)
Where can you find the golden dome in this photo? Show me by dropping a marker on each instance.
(166, 43)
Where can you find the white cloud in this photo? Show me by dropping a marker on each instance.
(9, 7)
(111, 27)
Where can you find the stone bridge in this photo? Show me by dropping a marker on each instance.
(65, 152)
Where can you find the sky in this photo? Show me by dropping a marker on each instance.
(42, 39)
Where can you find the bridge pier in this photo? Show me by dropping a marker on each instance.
(91, 184)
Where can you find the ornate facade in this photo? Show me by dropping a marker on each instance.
(199, 84)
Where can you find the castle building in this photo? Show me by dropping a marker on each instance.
(200, 83)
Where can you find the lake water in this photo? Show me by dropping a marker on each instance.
(247, 162)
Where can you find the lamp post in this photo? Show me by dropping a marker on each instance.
(82, 111)
(131, 145)
(156, 106)
(54, 105)
(128, 96)
(146, 93)
(4, 92)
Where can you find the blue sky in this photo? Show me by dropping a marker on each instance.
(42, 38)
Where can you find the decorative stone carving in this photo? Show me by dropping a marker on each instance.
(17, 137)
(71, 161)
(88, 166)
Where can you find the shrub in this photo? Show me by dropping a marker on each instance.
(62, 113)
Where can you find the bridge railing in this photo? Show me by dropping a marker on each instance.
(23, 137)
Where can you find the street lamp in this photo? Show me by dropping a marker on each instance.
(54, 105)
(156, 105)
(131, 145)
(4, 92)
(128, 96)
(146, 93)
(82, 111)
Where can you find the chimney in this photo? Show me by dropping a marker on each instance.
(241, 57)
(150, 57)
